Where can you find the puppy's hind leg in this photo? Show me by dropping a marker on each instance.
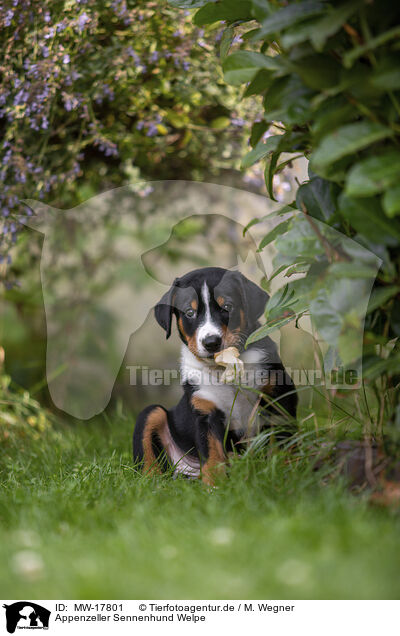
(151, 428)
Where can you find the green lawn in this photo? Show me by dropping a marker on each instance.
(76, 521)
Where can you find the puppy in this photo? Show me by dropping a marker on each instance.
(215, 309)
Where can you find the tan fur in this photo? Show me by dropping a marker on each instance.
(156, 424)
(231, 337)
(190, 340)
(203, 406)
(215, 464)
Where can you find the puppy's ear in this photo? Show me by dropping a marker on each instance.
(164, 309)
(254, 299)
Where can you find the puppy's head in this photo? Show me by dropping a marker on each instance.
(214, 308)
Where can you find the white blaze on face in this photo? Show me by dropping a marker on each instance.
(207, 327)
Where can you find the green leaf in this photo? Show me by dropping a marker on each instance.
(261, 9)
(269, 327)
(373, 43)
(386, 75)
(288, 100)
(226, 42)
(380, 296)
(366, 216)
(282, 228)
(318, 72)
(219, 123)
(297, 268)
(230, 10)
(269, 174)
(298, 34)
(242, 66)
(287, 17)
(261, 150)
(316, 197)
(347, 140)
(285, 210)
(391, 201)
(352, 270)
(326, 317)
(375, 366)
(332, 22)
(259, 84)
(332, 114)
(372, 175)
(257, 131)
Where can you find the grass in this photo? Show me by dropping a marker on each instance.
(77, 521)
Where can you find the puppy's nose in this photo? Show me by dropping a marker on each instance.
(212, 343)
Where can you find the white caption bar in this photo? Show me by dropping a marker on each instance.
(172, 618)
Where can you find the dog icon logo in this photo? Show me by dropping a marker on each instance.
(26, 615)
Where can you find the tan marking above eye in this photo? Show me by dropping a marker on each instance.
(194, 305)
(221, 301)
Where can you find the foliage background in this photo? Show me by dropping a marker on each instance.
(328, 74)
(97, 94)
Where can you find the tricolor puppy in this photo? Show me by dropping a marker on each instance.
(214, 309)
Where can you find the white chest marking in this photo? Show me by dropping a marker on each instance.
(235, 402)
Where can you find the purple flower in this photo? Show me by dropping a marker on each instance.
(238, 121)
(66, 59)
(153, 57)
(45, 123)
(47, 17)
(152, 130)
(134, 56)
(45, 51)
(82, 20)
(9, 17)
(49, 34)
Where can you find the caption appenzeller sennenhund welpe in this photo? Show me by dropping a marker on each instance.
(215, 309)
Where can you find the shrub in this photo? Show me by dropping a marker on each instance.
(97, 94)
(329, 77)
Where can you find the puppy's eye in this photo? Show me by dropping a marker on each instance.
(190, 312)
(227, 307)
